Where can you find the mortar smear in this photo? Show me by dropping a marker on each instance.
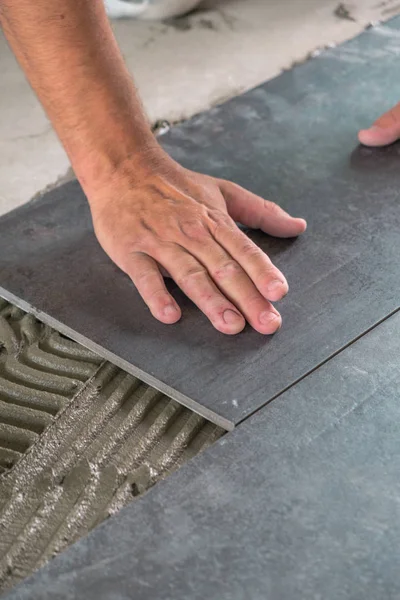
(79, 439)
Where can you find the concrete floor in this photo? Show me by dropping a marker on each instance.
(181, 68)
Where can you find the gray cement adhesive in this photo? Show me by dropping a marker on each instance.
(79, 439)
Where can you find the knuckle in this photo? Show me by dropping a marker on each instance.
(271, 207)
(191, 277)
(139, 242)
(194, 230)
(207, 297)
(229, 269)
(249, 250)
(220, 220)
(144, 277)
(158, 296)
(147, 242)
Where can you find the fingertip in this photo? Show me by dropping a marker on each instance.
(285, 228)
(170, 314)
(276, 290)
(231, 322)
(294, 228)
(363, 136)
(378, 136)
(301, 225)
(270, 321)
(369, 137)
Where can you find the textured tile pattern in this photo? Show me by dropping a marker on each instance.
(79, 438)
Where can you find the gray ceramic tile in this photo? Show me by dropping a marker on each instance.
(293, 140)
(300, 501)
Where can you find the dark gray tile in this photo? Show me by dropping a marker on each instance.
(293, 140)
(300, 501)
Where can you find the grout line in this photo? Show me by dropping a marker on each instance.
(119, 362)
(319, 365)
(161, 386)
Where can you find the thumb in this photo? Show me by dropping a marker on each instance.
(255, 212)
(385, 130)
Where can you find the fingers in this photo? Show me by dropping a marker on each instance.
(251, 210)
(257, 266)
(211, 277)
(236, 284)
(193, 278)
(385, 130)
(149, 282)
(210, 259)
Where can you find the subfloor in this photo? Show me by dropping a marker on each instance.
(181, 67)
(79, 439)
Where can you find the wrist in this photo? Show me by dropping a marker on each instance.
(113, 177)
(99, 166)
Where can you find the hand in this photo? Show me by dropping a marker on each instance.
(166, 219)
(385, 130)
(148, 212)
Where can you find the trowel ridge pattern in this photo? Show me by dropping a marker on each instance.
(83, 438)
(40, 372)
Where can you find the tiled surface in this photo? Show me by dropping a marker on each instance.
(301, 501)
(181, 68)
(293, 140)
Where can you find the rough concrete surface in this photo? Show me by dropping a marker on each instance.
(181, 67)
(79, 438)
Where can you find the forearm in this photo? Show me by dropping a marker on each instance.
(69, 54)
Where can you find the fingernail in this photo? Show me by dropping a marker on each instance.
(267, 317)
(275, 285)
(302, 222)
(170, 310)
(231, 317)
(276, 290)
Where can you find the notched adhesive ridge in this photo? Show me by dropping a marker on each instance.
(79, 439)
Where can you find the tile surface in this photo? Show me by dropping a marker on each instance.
(293, 140)
(301, 501)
